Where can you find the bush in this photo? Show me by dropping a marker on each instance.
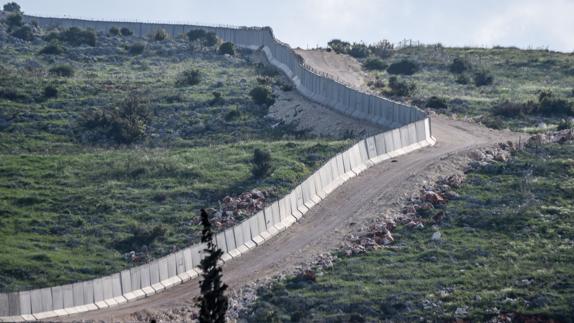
(382, 49)
(404, 67)
(50, 92)
(52, 49)
(339, 46)
(14, 20)
(24, 33)
(227, 48)
(189, 78)
(196, 34)
(206, 38)
(549, 105)
(261, 163)
(62, 71)
(459, 66)
(75, 37)
(434, 102)
(136, 49)
(125, 124)
(210, 39)
(401, 88)
(374, 64)
(462, 79)
(160, 35)
(493, 122)
(11, 7)
(359, 50)
(511, 109)
(262, 96)
(114, 31)
(482, 78)
(566, 124)
(126, 31)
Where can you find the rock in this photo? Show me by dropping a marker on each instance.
(452, 195)
(476, 155)
(437, 236)
(455, 181)
(433, 197)
(257, 194)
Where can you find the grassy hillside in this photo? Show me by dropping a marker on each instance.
(500, 87)
(506, 249)
(518, 76)
(112, 146)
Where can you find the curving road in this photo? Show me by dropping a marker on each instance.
(323, 227)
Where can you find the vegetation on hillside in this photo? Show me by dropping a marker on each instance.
(110, 144)
(505, 250)
(475, 82)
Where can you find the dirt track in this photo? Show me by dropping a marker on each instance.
(365, 196)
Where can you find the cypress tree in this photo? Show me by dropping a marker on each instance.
(213, 303)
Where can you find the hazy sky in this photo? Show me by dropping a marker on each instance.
(308, 23)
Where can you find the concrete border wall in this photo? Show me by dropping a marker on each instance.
(412, 130)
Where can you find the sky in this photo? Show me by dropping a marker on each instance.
(311, 23)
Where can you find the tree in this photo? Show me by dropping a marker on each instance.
(227, 48)
(262, 96)
(261, 163)
(12, 7)
(13, 21)
(339, 46)
(213, 303)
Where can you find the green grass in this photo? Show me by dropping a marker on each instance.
(70, 209)
(518, 75)
(508, 247)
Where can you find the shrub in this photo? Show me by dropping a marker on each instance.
(136, 49)
(382, 49)
(401, 88)
(359, 50)
(24, 33)
(566, 124)
(378, 83)
(14, 95)
(403, 67)
(52, 49)
(339, 46)
(374, 64)
(11, 7)
(126, 31)
(462, 79)
(262, 95)
(459, 66)
(434, 102)
(75, 37)
(550, 105)
(50, 92)
(512, 109)
(62, 71)
(124, 124)
(261, 163)
(227, 48)
(493, 122)
(482, 78)
(210, 39)
(160, 35)
(206, 38)
(232, 114)
(114, 31)
(189, 78)
(196, 34)
(14, 20)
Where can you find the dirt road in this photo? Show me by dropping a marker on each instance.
(365, 196)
